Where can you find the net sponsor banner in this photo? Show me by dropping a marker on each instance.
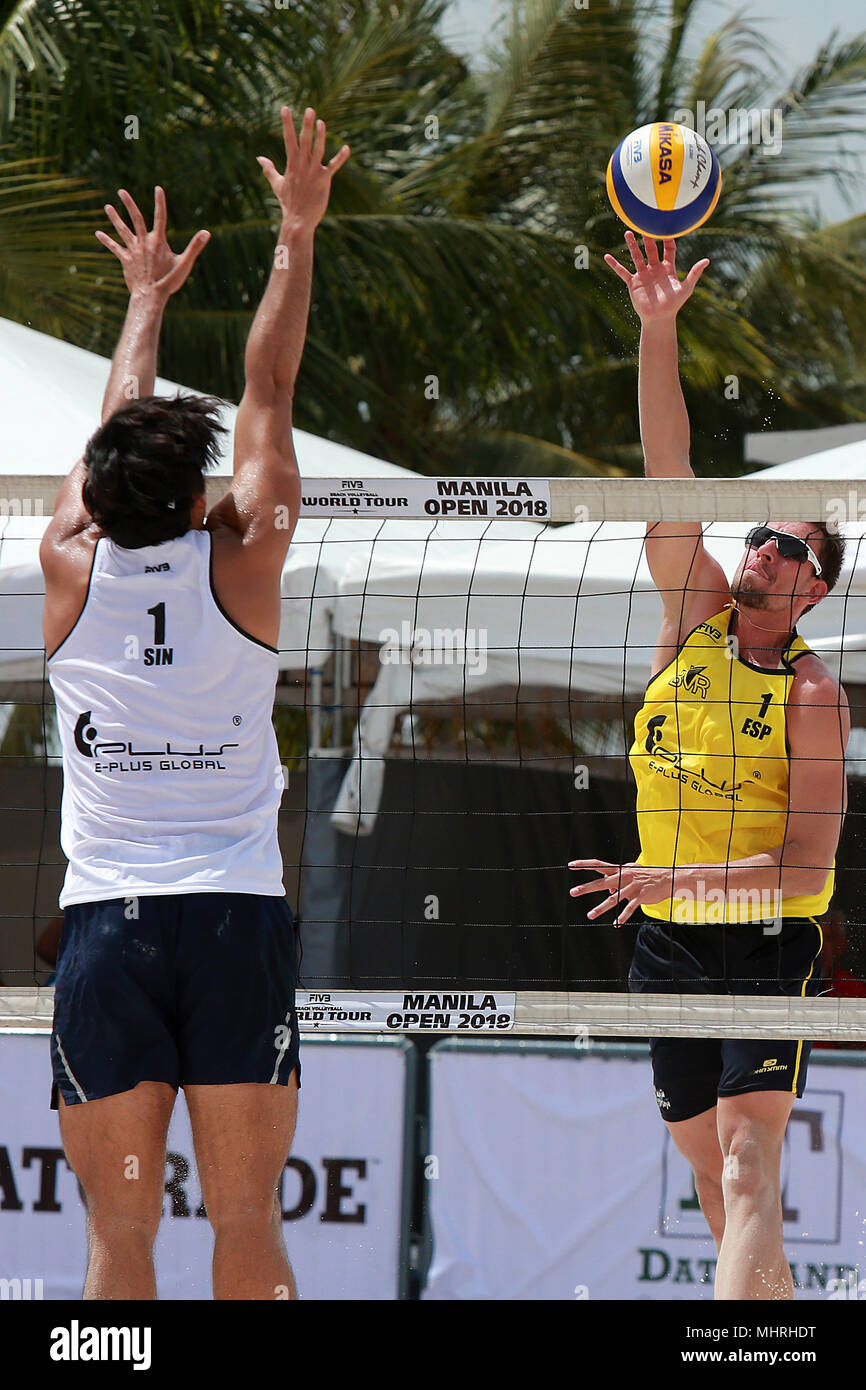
(556, 1179)
(399, 1011)
(451, 498)
(340, 1192)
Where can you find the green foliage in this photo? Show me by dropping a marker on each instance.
(453, 328)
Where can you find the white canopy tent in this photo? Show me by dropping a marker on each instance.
(52, 402)
(51, 394)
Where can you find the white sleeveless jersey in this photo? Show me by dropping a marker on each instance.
(172, 777)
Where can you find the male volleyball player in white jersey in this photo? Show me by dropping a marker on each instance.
(739, 763)
(177, 959)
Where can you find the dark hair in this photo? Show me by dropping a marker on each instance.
(146, 466)
(831, 554)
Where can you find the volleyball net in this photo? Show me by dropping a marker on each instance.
(462, 662)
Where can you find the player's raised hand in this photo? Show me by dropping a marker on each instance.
(150, 267)
(656, 291)
(305, 187)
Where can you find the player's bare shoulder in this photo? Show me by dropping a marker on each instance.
(67, 564)
(63, 555)
(246, 577)
(697, 612)
(817, 703)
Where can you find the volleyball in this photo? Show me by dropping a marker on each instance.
(663, 180)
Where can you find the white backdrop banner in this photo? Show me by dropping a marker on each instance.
(341, 1190)
(553, 1177)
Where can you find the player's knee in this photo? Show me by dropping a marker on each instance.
(751, 1162)
(115, 1225)
(700, 1148)
(244, 1215)
(130, 1212)
(708, 1186)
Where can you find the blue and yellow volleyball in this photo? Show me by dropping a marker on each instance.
(663, 180)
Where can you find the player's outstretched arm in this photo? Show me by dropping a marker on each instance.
(153, 273)
(691, 584)
(266, 485)
(657, 295)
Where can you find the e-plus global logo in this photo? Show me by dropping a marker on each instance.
(122, 756)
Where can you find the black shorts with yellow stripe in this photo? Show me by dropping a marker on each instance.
(783, 957)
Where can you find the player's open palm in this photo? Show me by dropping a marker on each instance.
(304, 189)
(656, 291)
(149, 264)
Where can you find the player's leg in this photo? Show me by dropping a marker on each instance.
(686, 1074)
(759, 1083)
(752, 1262)
(242, 1136)
(698, 1141)
(115, 1076)
(241, 1073)
(116, 1148)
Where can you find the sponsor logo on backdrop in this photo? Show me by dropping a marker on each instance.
(333, 1186)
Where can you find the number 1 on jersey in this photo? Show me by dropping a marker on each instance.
(158, 615)
(159, 654)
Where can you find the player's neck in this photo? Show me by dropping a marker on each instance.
(761, 641)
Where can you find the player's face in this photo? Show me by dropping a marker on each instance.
(768, 580)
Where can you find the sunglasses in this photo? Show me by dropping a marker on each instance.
(792, 547)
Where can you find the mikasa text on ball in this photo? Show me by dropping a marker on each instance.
(663, 180)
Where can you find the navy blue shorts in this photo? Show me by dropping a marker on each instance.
(690, 1074)
(192, 989)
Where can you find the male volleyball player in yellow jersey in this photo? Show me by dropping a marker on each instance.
(739, 763)
(177, 958)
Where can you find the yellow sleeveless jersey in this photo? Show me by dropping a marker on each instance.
(710, 759)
